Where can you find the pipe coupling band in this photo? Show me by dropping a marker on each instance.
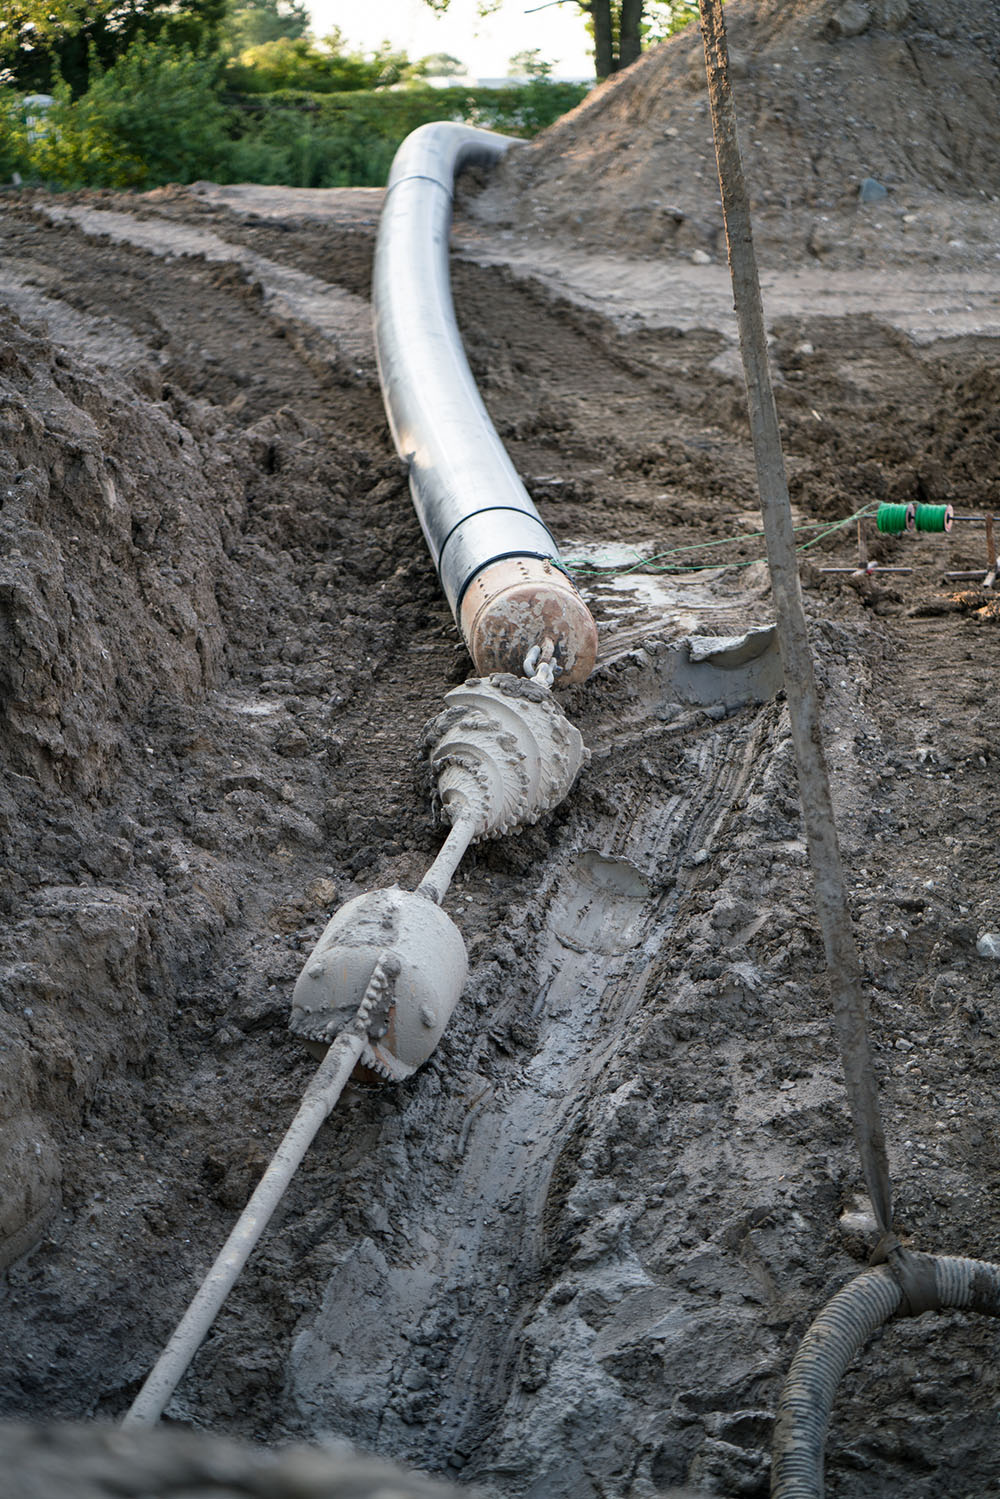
(486, 537)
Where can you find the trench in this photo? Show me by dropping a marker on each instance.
(602, 921)
(602, 1188)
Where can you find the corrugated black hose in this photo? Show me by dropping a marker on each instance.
(910, 1285)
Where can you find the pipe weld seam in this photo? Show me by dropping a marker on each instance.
(424, 177)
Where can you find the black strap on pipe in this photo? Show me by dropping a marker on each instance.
(843, 967)
(917, 1279)
(486, 510)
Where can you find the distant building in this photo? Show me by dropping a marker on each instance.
(35, 107)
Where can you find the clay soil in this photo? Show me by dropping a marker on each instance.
(574, 1255)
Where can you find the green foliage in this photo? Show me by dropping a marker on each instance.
(525, 110)
(530, 64)
(302, 64)
(161, 114)
(349, 139)
(14, 135)
(441, 65)
(41, 44)
(621, 28)
(661, 18)
(33, 24)
(264, 21)
(154, 117)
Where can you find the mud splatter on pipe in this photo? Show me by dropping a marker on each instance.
(498, 562)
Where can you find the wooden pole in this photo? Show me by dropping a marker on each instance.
(844, 969)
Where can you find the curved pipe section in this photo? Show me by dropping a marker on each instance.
(840, 1331)
(497, 560)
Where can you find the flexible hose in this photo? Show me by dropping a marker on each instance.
(840, 1331)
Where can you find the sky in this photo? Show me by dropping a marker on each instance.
(484, 45)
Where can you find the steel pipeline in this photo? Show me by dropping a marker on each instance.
(497, 560)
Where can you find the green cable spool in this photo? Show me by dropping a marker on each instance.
(894, 519)
(934, 517)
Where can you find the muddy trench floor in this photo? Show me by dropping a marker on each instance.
(574, 1255)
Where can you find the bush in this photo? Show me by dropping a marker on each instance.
(349, 139)
(14, 143)
(298, 63)
(154, 117)
(158, 115)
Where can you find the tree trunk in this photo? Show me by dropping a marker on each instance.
(630, 40)
(604, 57)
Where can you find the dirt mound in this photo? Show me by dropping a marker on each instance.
(829, 93)
(113, 533)
(103, 504)
(148, 538)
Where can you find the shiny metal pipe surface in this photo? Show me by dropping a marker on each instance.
(472, 506)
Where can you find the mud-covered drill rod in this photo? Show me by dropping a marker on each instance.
(319, 1098)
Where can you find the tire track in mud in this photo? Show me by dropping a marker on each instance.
(486, 1237)
(291, 298)
(567, 390)
(224, 324)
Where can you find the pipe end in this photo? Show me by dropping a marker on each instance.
(516, 604)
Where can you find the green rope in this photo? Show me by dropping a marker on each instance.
(933, 518)
(839, 525)
(892, 519)
(584, 568)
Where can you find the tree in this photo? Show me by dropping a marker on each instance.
(305, 65)
(440, 65)
(529, 64)
(155, 116)
(263, 21)
(43, 41)
(663, 17)
(620, 27)
(30, 27)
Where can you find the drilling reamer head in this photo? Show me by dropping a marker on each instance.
(502, 753)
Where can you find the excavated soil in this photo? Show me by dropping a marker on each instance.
(573, 1256)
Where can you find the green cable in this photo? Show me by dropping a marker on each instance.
(892, 519)
(643, 562)
(697, 567)
(933, 518)
(839, 525)
(585, 569)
